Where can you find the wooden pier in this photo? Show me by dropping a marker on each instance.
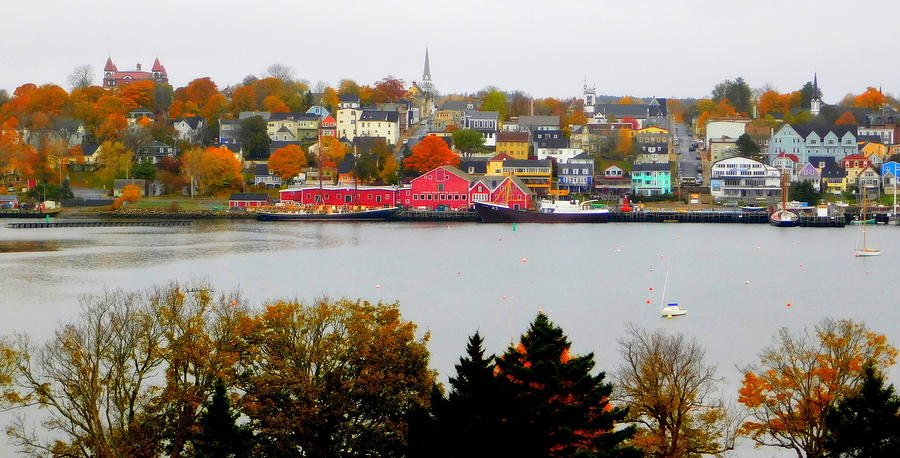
(61, 224)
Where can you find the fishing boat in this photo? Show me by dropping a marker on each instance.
(672, 309)
(784, 217)
(865, 251)
(336, 214)
(564, 211)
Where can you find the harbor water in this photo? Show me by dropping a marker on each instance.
(740, 283)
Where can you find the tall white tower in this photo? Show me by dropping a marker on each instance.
(590, 99)
(428, 86)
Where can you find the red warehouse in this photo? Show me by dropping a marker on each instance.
(444, 186)
(365, 196)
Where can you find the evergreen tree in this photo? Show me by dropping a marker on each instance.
(254, 137)
(559, 408)
(866, 424)
(747, 147)
(803, 191)
(219, 436)
(66, 192)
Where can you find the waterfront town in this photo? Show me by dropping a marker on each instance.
(274, 140)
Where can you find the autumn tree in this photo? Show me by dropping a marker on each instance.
(388, 89)
(495, 100)
(627, 100)
(242, 99)
(348, 87)
(288, 161)
(872, 99)
(115, 160)
(866, 423)
(212, 169)
(624, 142)
(801, 377)
(330, 99)
(558, 407)
(672, 394)
(468, 141)
(430, 153)
(329, 377)
(847, 119)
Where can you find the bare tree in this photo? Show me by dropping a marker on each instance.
(673, 393)
(81, 77)
(280, 71)
(320, 87)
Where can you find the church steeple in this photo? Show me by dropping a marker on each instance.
(815, 102)
(426, 74)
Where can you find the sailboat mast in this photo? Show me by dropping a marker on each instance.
(662, 299)
(863, 218)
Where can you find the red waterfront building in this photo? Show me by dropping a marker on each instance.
(365, 196)
(446, 187)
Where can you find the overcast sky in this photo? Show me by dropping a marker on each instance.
(545, 48)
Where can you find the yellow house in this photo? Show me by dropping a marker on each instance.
(869, 148)
(495, 164)
(513, 144)
(834, 179)
(652, 134)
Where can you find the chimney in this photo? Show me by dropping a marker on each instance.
(139, 66)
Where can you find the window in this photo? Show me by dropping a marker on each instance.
(440, 186)
(377, 198)
(429, 196)
(348, 198)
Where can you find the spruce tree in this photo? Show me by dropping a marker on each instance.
(559, 408)
(219, 435)
(866, 424)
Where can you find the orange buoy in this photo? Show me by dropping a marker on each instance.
(788, 304)
(648, 301)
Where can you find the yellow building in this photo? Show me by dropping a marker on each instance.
(513, 144)
(869, 148)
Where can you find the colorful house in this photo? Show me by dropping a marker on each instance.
(328, 127)
(513, 144)
(809, 173)
(651, 179)
(614, 182)
(445, 186)
(537, 175)
(854, 164)
(834, 178)
(495, 164)
(868, 178)
(501, 189)
(331, 195)
(867, 149)
(787, 163)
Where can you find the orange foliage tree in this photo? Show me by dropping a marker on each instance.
(872, 98)
(330, 151)
(389, 89)
(846, 119)
(130, 193)
(709, 109)
(627, 100)
(800, 378)
(212, 169)
(274, 104)
(773, 102)
(330, 98)
(243, 99)
(288, 161)
(137, 94)
(429, 153)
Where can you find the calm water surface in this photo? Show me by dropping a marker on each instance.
(455, 279)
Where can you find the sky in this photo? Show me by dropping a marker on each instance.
(640, 48)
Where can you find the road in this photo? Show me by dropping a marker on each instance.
(688, 163)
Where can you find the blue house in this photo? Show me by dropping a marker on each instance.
(577, 174)
(651, 179)
(805, 140)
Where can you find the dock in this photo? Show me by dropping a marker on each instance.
(469, 216)
(63, 224)
(690, 216)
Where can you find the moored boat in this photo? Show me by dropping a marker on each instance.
(549, 212)
(784, 217)
(377, 214)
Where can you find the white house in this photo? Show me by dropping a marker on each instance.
(732, 128)
(560, 155)
(746, 180)
(485, 122)
(348, 113)
(381, 124)
(189, 128)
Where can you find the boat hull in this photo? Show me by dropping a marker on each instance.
(669, 312)
(499, 214)
(380, 214)
(867, 252)
(782, 218)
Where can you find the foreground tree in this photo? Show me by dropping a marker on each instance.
(671, 392)
(867, 423)
(220, 436)
(558, 408)
(333, 378)
(803, 191)
(429, 153)
(800, 378)
(117, 162)
(748, 148)
(253, 135)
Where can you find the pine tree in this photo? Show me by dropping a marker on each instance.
(866, 424)
(560, 409)
(219, 435)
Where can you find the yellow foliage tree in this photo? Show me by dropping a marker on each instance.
(115, 162)
(801, 377)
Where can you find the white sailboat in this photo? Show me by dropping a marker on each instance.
(669, 310)
(865, 251)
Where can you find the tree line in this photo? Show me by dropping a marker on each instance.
(185, 371)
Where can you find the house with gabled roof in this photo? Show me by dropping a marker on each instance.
(501, 189)
(787, 163)
(189, 128)
(487, 123)
(442, 187)
(614, 181)
(112, 77)
(868, 178)
(383, 124)
(810, 139)
(854, 164)
(810, 174)
(834, 178)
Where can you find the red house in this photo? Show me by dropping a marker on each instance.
(328, 127)
(365, 196)
(248, 199)
(445, 186)
(507, 190)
